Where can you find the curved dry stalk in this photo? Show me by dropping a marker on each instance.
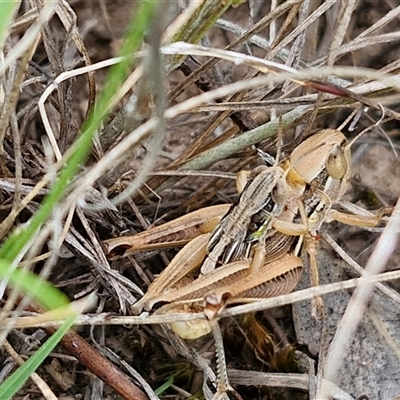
(53, 86)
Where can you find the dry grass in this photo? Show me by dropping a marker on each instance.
(184, 126)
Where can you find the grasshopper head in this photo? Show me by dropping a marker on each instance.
(324, 153)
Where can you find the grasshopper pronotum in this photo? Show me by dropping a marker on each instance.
(265, 194)
(263, 264)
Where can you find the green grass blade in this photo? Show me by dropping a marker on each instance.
(160, 390)
(8, 10)
(15, 381)
(42, 292)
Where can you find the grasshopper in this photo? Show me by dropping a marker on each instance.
(321, 162)
(285, 203)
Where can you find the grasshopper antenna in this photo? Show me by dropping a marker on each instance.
(355, 116)
(376, 124)
(369, 128)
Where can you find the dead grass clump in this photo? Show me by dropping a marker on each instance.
(172, 127)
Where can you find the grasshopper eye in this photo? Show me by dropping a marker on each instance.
(337, 163)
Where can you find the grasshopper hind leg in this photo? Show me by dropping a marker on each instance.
(223, 385)
(317, 304)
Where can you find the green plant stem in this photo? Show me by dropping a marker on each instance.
(254, 136)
